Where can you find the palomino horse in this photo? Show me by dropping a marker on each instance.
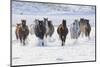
(22, 31)
(85, 27)
(62, 31)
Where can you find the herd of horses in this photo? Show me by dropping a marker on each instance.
(44, 28)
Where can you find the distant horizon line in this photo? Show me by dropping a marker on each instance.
(54, 14)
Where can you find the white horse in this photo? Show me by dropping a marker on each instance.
(75, 29)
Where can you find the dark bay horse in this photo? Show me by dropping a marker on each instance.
(22, 31)
(62, 31)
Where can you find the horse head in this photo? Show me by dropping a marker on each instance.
(40, 23)
(64, 22)
(23, 22)
(45, 21)
(18, 24)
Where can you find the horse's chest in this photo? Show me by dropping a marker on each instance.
(41, 29)
(63, 30)
(82, 28)
(23, 30)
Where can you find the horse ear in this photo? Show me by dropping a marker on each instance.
(23, 20)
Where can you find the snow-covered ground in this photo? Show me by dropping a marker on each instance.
(82, 49)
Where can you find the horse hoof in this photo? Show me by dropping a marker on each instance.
(42, 44)
(63, 44)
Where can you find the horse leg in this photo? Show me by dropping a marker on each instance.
(24, 40)
(82, 34)
(16, 36)
(63, 41)
(88, 34)
(42, 43)
(46, 35)
(62, 38)
(20, 39)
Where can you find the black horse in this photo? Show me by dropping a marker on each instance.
(40, 30)
(23, 32)
(62, 31)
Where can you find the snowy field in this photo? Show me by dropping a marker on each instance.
(82, 49)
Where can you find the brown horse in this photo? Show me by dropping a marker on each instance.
(85, 27)
(17, 31)
(22, 31)
(62, 31)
